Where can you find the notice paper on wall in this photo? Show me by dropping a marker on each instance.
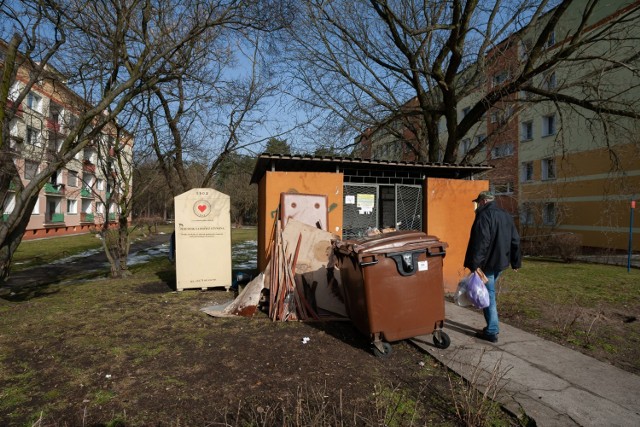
(366, 203)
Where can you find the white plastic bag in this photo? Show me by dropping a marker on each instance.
(461, 297)
(477, 291)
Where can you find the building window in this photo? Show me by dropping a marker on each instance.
(527, 171)
(549, 81)
(465, 146)
(500, 78)
(551, 40)
(72, 178)
(30, 169)
(9, 203)
(100, 184)
(465, 111)
(90, 155)
(34, 102)
(525, 48)
(88, 180)
(55, 116)
(549, 214)
(549, 125)
(87, 206)
(479, 139)
(503, 188)
(505, 115)
(72, 206)
(494, 117)
(72, 122)
(526, 131)
(548, 169)
(14, 91)
(526, 214)
(56, 178)
(502, 150)
(36, 208)
(33, 136)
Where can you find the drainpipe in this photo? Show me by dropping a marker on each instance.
(633, 206)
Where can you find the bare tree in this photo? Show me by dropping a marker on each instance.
(234, 177)
(219, 106)
(116, 151)
(110, 52)
(152, 197)
(373, 63)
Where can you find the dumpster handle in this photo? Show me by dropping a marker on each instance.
(436, 254)
(364, 264)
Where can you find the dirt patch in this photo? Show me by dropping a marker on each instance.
(605, 333)
(133, 352)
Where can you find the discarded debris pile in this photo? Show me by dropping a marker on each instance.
(286, 295)
(246, 304)
(302, 281)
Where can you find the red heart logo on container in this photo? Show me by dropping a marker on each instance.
(202, 208)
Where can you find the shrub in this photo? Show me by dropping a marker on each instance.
(150, 223)
(566, 246)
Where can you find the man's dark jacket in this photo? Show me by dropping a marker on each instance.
(494, 242)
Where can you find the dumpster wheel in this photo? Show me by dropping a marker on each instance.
(441, 339)
(384, 352)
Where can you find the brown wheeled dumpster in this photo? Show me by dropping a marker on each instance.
(393, 287)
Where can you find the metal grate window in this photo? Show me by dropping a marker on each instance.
(378, 206)
(360, 210)
(408, 207)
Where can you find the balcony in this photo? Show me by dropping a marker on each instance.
(19, 111)
(53, 125)
(89, 167)
(51, 155)
(16, 144)
(87, 217)
(54, 217)
(54, 189)
(86, 193)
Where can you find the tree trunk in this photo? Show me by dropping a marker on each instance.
(116, 245)
(123, 246)
(12, 236)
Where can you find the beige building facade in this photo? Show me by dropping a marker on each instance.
(579, 171)
(81, 195)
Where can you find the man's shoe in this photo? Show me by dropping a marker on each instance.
(487, 337)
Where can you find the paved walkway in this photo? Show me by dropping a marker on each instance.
(613, 259)
(552, 384)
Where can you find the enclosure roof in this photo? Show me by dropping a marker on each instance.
(308, 163)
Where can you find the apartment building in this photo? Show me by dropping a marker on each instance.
(579, 170)
(84, 193)
(560, 168)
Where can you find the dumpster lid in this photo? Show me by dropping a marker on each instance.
(395, 241)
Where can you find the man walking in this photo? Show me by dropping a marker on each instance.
(494, 244)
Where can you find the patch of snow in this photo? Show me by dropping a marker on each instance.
(71, 258)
